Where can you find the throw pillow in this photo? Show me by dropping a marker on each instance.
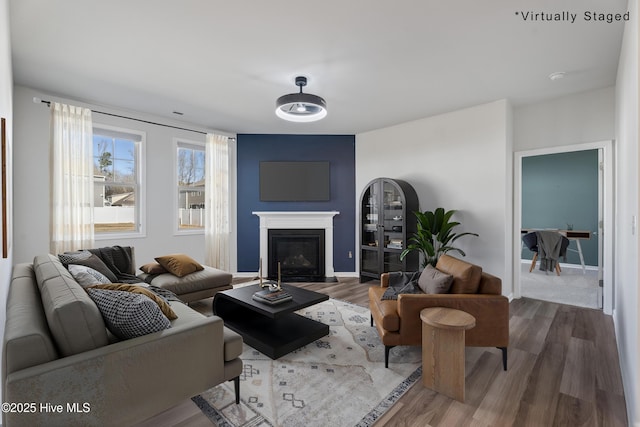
(94, 262)
(179, 264)
(153, 268)
(128, 315)
(68, 257)
(433, 281)
(87, 276)
(162, 303)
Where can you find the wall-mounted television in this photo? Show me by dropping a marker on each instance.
(297, 181)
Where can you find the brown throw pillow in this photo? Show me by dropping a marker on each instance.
(166, 308)
(153, 268)
(179, 264)
(432, 281)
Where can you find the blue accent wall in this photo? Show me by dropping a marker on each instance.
(561, 191)
(338, 150)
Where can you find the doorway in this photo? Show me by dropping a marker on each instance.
(600, 244)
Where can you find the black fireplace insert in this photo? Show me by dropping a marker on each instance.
(299, 252)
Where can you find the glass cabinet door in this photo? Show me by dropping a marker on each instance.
(370, 216)
(369, 234)
(393, 217)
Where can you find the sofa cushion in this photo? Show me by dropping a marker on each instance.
(466, 276)
(208, 278)
(129, 315)
(433, 281)
(27, 340)
(179, 264)
(87, 276)
(139, 289)
(73, 318)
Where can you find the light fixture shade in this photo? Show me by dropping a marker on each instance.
(301, 107)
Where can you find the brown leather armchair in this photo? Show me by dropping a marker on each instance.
(473, 291)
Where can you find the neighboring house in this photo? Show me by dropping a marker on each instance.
(123, 199)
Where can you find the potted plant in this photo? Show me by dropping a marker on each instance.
(434, 236)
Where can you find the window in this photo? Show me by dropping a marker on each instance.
(117, 181)
(190, 170)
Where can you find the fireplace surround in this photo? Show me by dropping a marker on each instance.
(297, 220)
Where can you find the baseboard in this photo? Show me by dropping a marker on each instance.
(347, 274)
(566, 265)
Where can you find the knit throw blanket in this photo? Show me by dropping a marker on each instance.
(118, 260)
(402, 283)
(549, 245)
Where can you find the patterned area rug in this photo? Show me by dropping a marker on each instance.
(339, 380)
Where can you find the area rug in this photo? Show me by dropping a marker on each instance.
(339, 380)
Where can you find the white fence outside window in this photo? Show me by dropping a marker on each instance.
(191, 217)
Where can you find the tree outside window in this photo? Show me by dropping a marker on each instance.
(190, 170)
(116, 172)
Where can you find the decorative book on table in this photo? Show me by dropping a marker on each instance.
(272, 297)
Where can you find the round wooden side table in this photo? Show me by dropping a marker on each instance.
(443, 349)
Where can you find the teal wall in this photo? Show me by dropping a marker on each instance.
(561, 189)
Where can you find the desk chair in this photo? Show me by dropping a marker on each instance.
(530, 240)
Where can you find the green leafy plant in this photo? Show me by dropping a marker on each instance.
(434, 236)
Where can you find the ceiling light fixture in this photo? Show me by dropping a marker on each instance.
(301, 107)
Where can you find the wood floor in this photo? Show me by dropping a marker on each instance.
(563, 371)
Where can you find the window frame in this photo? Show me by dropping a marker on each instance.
(190, 144)
(140, 184)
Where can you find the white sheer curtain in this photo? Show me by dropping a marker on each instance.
(71, 178)
(216, 224)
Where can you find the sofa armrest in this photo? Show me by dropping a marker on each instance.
(491, 313)
(126, 382)
(384, 280)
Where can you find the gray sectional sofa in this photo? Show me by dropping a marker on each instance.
(58, 351)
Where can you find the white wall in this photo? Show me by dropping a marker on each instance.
(6, 111)
(573, 119)
(32, 173)
(627, 297)
(458, 160)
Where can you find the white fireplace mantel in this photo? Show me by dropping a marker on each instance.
(299, 220)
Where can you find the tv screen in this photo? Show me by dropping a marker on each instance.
(295, 182)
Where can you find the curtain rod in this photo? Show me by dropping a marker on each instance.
(36, 100)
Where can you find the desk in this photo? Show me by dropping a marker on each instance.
(572, 235)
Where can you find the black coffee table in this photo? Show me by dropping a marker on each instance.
(274, 330)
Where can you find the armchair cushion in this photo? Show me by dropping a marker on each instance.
(433, 281)
(466, 276)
